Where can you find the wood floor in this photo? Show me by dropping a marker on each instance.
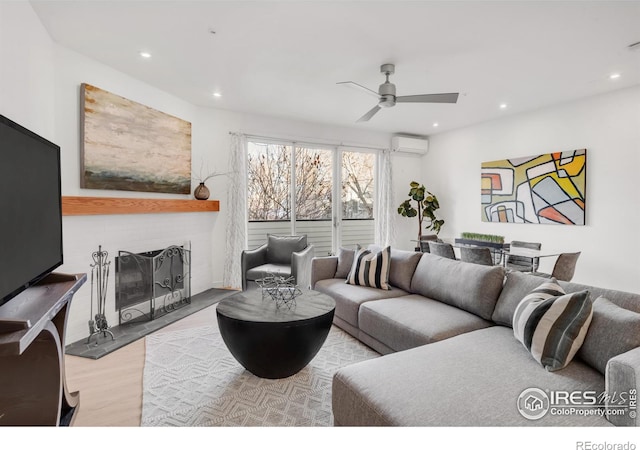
(111, 387)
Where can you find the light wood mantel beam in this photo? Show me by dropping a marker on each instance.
(83, 206)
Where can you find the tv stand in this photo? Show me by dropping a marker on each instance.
(33, 387)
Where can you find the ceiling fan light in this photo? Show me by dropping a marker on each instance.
(387, 94)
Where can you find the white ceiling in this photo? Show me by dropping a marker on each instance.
(284, 58)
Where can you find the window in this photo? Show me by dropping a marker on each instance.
(269, 183)
(292, 187)
(357, 196)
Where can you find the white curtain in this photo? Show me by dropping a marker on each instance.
(236, 237)
(385, 230)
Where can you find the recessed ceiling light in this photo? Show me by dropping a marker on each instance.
(503, 105)
(435, 124)
(217, 94)
(614, 76)
(145, 54)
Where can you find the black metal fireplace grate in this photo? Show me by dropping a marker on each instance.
(151, 284)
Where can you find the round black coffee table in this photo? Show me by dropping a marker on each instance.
(271, 341)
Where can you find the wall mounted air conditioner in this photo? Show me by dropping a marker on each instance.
(410, 144)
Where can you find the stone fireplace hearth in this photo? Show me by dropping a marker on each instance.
(132, 331)
(152, 291)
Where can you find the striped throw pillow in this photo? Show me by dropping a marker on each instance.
(370, 269)
(552, 325)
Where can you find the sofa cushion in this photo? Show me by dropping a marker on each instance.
(283, 270)
(345, 261)
(613, 331)
(516, 286)
(623, 375)
(409, 321)
(552, 325)
(280, 248)
(403, 265)
(473, 379)
(370, 269)
(349, 297)
(626, 300)
(472, 287)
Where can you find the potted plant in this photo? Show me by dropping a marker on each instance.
(478, 239)
(425, 206)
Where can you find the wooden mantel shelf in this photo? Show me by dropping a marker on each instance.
(85, 206)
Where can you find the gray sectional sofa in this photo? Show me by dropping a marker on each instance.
(450, 357)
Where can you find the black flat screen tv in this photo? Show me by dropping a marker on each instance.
(30, 209)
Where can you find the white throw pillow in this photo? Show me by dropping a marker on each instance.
(370, 269)
(552, 325)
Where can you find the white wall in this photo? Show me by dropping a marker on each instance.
(26, 69)
(406, 168)
(608, 126)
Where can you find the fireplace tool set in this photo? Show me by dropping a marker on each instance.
(99, 278)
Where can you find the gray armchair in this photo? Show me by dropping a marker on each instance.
(281, 255)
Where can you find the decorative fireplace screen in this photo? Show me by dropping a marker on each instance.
(152, 284)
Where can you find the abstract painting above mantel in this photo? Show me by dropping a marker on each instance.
(548, 189)
(128, 146)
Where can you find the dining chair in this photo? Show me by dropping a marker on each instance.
(442, 249)
(477, 255)
(522, 263)
(564, 267)
(424, 241)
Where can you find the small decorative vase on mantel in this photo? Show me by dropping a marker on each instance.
(201, 192)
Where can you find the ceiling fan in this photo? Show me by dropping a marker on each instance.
(387, 94)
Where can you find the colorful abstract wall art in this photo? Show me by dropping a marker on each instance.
(547, 189)
(131, 147)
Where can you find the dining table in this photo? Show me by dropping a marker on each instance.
(501, 254)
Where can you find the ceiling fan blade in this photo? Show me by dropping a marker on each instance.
(429, 98)
(359, 86)
(369, 114)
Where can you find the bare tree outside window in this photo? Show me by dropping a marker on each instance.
(357, 185)
(313, 184)
(270, 187)
(269, 182)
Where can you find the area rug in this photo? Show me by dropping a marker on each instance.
(191, 379)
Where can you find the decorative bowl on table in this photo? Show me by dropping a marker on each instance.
(280, 289)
